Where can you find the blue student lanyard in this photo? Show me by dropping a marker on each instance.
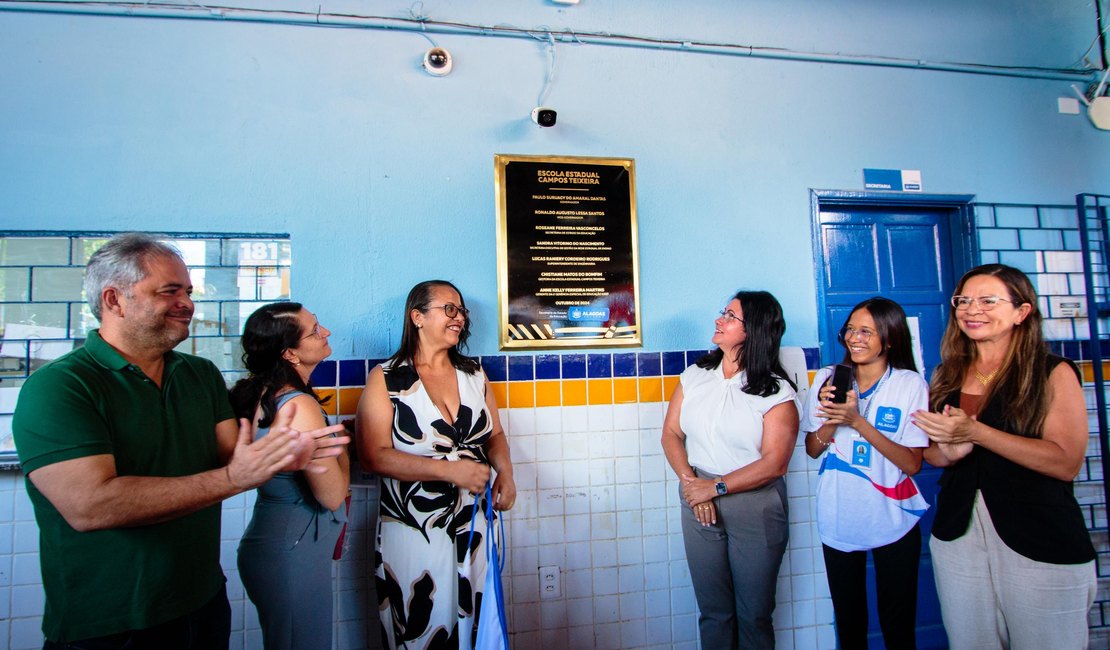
(871, 391)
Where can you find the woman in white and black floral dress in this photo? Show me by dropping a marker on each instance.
(429, 428)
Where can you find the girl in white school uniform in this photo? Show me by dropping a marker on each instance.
(866, 498)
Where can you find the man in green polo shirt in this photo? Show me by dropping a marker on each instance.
(129, 447)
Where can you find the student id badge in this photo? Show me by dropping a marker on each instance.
(861, 452)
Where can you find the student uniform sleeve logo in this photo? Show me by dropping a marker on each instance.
(888, 418)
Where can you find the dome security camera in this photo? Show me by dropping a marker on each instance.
(437, 62)
(543, 116)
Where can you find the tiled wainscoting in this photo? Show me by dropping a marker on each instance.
(596, 499)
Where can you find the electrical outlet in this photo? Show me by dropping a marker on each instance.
(551, 586)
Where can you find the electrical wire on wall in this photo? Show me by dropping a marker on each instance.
(542, 100)
(1099, 39)
(426, 25)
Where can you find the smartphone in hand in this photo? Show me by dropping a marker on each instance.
(841, 382)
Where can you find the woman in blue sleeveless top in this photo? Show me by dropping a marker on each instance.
(285, 556)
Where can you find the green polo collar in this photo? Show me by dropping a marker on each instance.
(104, 354)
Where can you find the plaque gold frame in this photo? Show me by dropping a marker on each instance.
(543, 336)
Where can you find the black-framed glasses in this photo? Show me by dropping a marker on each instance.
(728, 315)
(986, 303)
(863, 335)
(451, 309)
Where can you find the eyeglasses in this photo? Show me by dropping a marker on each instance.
(863, 335)
(728, 315)
(314, 333)
(986, 303)
(451, 309)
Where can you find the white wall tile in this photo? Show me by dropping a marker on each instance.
(657, 575)
(651, 415)
(600, 417)
(604, 554)
(804, 588)
(601, 471)
(650, 441)
(630, 551)
(805, 637)
(1058, 328)
(526, 617)
(653, 467)
(626, 417)
(27, 600)
(549, 503)
(606, 607)
(549, 475)
(522, 449)
(576, 473)
(26, 634)
(659, 630)
(630, 578)
(601, 444)
(576, 445)
(552, 555)
(684, 627)
(549, 447)
(633, 632)
(526, 589)
(554, 638)
(581, 636)
(604, 525)
(5, 570)
(579, 583)
(655, 548)
(1063, 262)
(549, 419)
(607, 636)
(577, 501)
(628, 497)
(524, 474)
(654, 521)
(553, 613)
(629, 524)
(25, 569)
(522, 421)
(578, 555)
(682, 600)
(602, 499)
(627, 470)
(525, 560)
(575, 418)
(26, 538)
(577, 528)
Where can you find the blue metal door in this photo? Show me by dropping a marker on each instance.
(902, 254)
(905, 250)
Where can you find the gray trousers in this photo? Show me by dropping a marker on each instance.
(992, 597)
(734, 565)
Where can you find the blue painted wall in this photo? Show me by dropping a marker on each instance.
(383, 175)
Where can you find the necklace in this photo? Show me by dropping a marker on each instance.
(985, 379)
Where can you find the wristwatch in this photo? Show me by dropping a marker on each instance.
(722, 489)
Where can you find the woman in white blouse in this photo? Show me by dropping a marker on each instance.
(729, 433)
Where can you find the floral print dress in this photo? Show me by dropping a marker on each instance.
(429, 571)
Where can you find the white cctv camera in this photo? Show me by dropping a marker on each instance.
(543, 116)
(437, 62)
